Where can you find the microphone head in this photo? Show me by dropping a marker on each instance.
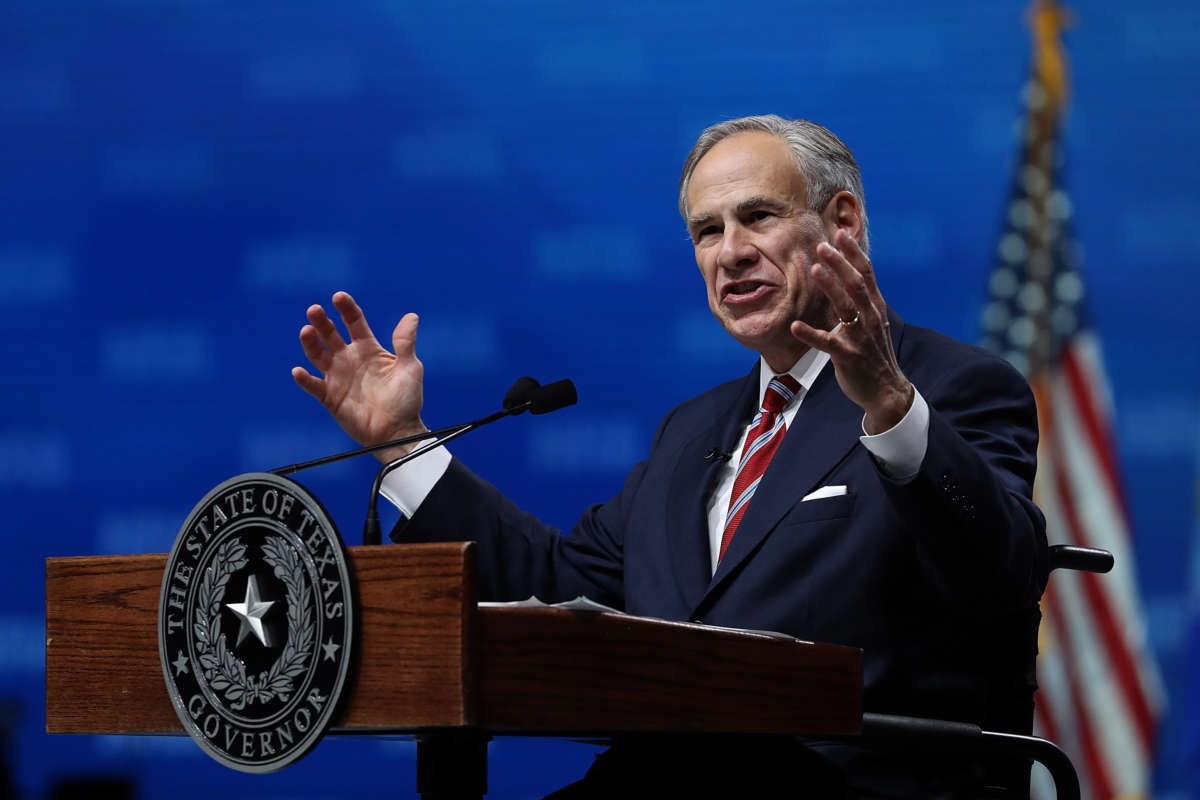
(520, 394)
(552, 397)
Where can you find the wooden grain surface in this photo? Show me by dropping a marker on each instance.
(103, 673)
(416, 605)
(571, 672)
(102, 669)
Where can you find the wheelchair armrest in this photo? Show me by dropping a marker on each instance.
(1085, 559)
(935, 735)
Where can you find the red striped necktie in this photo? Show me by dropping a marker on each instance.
(766, 432)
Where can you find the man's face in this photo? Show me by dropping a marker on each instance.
(755, 239)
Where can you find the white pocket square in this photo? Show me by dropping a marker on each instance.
(824, 491)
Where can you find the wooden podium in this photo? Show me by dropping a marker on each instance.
(432, 664)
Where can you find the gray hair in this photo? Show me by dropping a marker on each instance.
(823, 159)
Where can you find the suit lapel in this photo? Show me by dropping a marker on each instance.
(691, 485)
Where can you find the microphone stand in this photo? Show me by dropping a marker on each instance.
(372, 534)
(358, 451)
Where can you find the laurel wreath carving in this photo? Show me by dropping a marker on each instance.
(222, 669)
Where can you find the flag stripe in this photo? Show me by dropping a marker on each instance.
(1110, 724)
(1097, 425)
(1095, 720)
(1101, 594)
(1122, 581)
(1098, 615)
(1100, 515)
(1055, 676)
(1083, 665)
(1045, 724)
(1096, 770)
(1092, 514)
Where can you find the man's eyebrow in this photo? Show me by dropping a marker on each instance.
(749, 204)
(758, 201)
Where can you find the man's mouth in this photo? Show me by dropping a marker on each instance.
(738, 292)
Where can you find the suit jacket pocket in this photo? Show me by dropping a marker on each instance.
(823, 508)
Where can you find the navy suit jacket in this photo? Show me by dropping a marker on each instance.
(937, 579)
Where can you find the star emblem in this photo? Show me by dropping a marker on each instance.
(330, 648)
(251, 611)
(180, 663)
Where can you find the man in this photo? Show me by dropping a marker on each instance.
(879, 489)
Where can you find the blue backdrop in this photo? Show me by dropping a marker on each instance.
(180, 179)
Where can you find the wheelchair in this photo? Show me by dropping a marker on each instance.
(932, 736)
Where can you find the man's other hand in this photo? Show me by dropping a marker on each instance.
(861, 349)
(373, 394)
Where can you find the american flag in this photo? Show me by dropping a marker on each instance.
(1100, 692)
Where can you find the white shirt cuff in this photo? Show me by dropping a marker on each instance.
(407, 487)
(900, 450)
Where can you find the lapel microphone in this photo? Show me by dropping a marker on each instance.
(717, 455)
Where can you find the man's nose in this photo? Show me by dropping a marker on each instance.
(737, 250)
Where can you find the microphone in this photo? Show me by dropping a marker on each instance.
(551, 397)
(520, 392)
(525, 395)
(717, 455)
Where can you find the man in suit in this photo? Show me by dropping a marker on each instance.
(868, 482)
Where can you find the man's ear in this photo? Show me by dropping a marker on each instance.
(843, 213)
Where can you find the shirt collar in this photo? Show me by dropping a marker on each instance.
(805, 371)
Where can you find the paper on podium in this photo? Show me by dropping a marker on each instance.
(580, 603)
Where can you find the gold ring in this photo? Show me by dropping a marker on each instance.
(849, 322)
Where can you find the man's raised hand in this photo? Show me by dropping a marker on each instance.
(373, 394)
(861, 350)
